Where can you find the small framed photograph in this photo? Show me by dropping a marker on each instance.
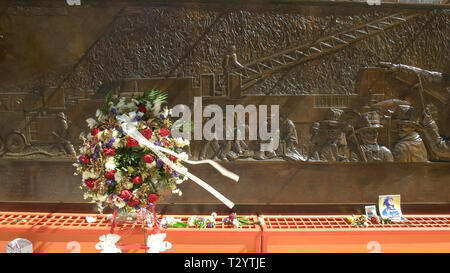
(371, 211)
(389, 207)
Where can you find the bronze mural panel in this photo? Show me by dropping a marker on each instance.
(363, 92)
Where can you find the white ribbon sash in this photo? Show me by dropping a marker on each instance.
(129, 127)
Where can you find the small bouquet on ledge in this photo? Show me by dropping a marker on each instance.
(363, 220)
(206, 221)
(116, 169)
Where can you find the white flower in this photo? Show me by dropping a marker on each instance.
(120, 105)
(101, 197)
(131, 105)
(83, 150)
(101, 135)
(115, 133)
(166, 112)
(118, 176)
(100, 115)
(261, 221)
(117, 144)
(156, 243)
(169, 221)
(110, 164)
(128, 185)
(118, 202)
(88, 175)
(179, 181)
(157, 107)
(108, 243)
(154, 180)
(91, 123)
(180, 193)
(236, 223)
(86, 195)
(209, 219)
(151, 165)
(214, 214)
(148, 105)
(82, 136)
(191, 220)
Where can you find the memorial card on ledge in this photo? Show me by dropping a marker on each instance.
(371, 211)
(389, 208)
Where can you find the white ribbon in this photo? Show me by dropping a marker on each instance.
(108, 243)
(156, 243)
(129, 127)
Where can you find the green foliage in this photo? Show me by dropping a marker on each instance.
(128, 159)
(105, 106)
(178, 225)
(245, 222)
(152, 96)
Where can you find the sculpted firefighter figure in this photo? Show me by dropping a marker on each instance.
(63, 135)
(410, 146)
(314, 141)
(289, 140)
(229, 63)
(438, 147)
(335, 148)
(369, 150)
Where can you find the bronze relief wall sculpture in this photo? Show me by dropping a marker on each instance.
(363, 94)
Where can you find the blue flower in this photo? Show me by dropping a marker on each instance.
(111, 182)
(162, 117)
(119, 129)
(110, 142)
(174, 174)
(159, 163)
(157, 143)
(113, 111)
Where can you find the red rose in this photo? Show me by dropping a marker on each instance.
(164, 132)
(110, 151)
(147, 133)
(148, 158)
(374, 220)
(142, 109)
(137, 180)
(95, 131)
(152, 198)
(84, 159)
(90, 183)
(173, 158)
(110, 174)
(132, 142)
(133, 201)
(125, 194)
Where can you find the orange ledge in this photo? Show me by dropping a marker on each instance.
(333, 234)
(66, 233)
